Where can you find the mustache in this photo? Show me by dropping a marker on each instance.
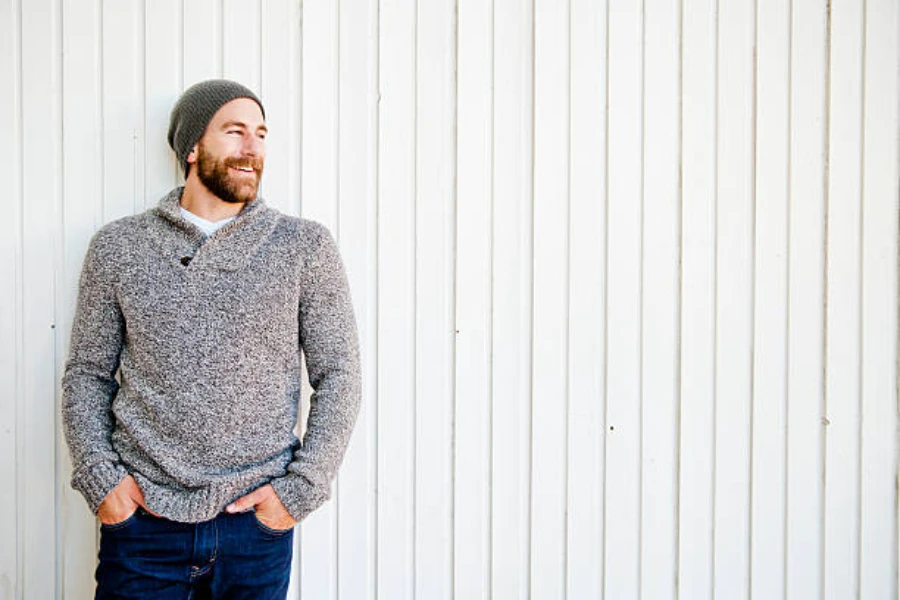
(256, 164)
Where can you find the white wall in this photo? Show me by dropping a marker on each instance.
(625, 274)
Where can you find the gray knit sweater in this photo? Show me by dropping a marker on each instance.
(206, 336)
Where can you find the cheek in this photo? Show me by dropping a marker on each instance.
(225, 145)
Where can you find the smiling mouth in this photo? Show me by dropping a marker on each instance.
(247, 170)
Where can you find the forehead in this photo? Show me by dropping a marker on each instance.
(241, 110)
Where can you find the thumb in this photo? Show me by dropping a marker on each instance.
(245, 502)
(137, 495)
(139, 499)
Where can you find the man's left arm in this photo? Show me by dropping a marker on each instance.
(328, 336)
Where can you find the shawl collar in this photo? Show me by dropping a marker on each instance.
(229, 248)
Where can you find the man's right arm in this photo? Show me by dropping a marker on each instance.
(89, 384)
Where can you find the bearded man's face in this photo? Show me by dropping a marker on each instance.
(232, 151)
(234, 179)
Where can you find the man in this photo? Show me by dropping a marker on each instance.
(202, 305)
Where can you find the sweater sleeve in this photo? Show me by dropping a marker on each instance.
(329, 340)
(89, 384)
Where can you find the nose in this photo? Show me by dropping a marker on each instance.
(253, 145)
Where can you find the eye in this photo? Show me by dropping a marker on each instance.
(233, 132)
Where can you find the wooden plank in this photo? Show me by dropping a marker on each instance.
(435, 319)
(734, 299)
(320, 111)
(660, 302)
(767, 505)
(202, 40)
(806, 267)
(843, 278)
(280, 93)
(40, 230)
(123, 126)
(623, 319)
(698, 281)
(512, 306)
(82, 187)
(241, 43)
(372, 284)
(878, 455)
(357, 147)
(474, 214)
(11, 272)
(587, 301)
(396, 299)
(549, 408)
(319, 202)
(162, 86)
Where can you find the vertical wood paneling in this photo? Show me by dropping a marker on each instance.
(435, 294)
(625, 279)
(512, 302)
(357, 218)
(370, 312)
(843, 317)
(319, 201)
(280, 89)
(660, 301)
(734, 299)
(878, 454)
(623, 266)
(805, 436)
(82, 189)
(474, 214)
(40, 30)
(241, 44)
(320, 113)
(10, 299)
(767, 516)
(202, 40)
(123, 108)
(587, 280)
(396, 300)
(550, 398)
(698, 302)
(161, 87)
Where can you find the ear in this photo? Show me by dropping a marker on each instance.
(191, 158)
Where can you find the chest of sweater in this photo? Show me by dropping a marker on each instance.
(218, 312)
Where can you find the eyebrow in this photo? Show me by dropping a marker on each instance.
(242, 125)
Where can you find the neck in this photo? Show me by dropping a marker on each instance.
(199, 200)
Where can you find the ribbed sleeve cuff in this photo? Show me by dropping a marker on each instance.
(299, 496)
(97, 481)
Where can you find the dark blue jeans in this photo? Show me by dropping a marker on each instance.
(231, 556)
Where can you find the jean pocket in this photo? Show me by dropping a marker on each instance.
(121, 524)
(269, 530)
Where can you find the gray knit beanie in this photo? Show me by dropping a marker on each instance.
(195, 109)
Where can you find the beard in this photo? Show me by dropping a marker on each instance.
(215, 175)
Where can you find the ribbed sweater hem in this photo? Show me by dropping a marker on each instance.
(192, 505)
(97, 481)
